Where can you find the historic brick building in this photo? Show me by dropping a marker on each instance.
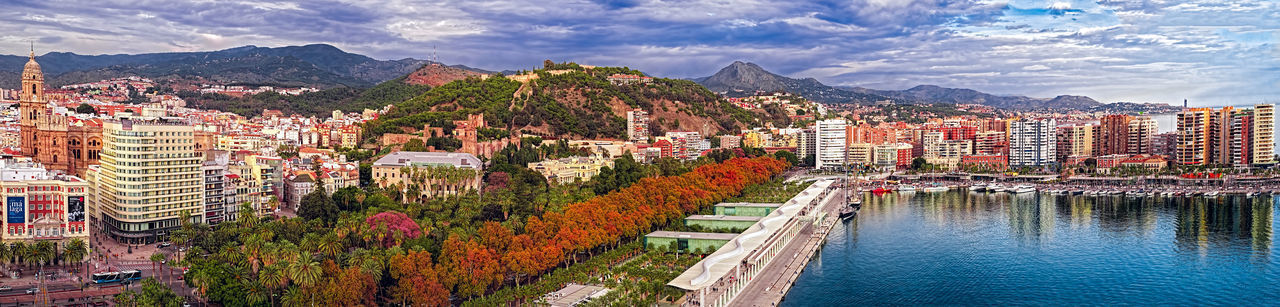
(55, 139)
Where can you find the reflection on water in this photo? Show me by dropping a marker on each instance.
(967, 248)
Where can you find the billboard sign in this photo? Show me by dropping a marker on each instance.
(75, 209)
(17, 209)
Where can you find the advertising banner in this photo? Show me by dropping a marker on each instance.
(17, 209)
(75, 209)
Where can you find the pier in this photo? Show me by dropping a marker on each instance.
(759, 266)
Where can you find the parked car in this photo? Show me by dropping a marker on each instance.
(33, 290)
(163, 245)
(6, 288)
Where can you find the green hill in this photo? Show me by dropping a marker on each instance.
(567, 100)
(320, 103)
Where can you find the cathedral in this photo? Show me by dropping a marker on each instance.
(59, 141)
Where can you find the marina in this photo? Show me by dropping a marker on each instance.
(969, 248)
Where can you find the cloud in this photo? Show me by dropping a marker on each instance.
(1114, 50)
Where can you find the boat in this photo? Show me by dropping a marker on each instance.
(1023, 189)
(977, 188)
(881, 190)
(1211, 194)
(906, 188)
(935, 188)
(1134, 193)
(1077, 191)
(848, 212)
(1251, 194)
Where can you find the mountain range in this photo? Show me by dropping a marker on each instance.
(317, 65)
(744, 79)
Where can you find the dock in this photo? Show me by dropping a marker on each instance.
(777, 278)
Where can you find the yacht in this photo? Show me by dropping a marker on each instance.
(977, 187)
(906, 188)
(1023, 189)
(1211, 194)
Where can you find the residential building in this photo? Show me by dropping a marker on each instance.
(1075, 141)
(638, 125)
(433, 173)
(1032, 143)
(991, 143)
(808, 143)
(861, 154)
(149, 180)
(730, 141)
(1264, 123)
(830, 138)
(1193, 136)
(1113, 134)
(1142, 133)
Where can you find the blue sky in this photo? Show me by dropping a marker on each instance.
(1212, 52)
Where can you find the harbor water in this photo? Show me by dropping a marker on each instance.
(967, 248)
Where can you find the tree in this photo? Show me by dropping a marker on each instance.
(416, 281)
(787, 156)
(152, 293)
(318, 205)
(75, 251)
(918, 163)
(85, 108)
(393, 227)
(156, 259)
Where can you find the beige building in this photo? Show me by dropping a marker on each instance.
(1264, 123)
(860, 154)
(567, 170)
(430, 173)
(148, 180)
(1193, 136)
(1142, 133)
(1075, 141)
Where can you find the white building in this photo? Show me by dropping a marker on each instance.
(1032, 142)
(830, 138)
(638, 125)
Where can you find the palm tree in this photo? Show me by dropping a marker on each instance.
(330, 246)
(44, 252)
(272, 277)
(75, 251)
(18, 251)
(156, 258)
(306, 271)
(6, 254)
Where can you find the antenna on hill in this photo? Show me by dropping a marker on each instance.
(435, 57)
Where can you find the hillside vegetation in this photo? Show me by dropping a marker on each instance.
(567, 100)
(321, 103)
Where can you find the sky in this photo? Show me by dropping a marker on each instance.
(1211, 52)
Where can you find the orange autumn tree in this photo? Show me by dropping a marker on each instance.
(472, 266)
(416, 281)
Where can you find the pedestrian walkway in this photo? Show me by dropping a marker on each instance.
(773, 282)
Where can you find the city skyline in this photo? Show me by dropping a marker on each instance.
(1211, 53)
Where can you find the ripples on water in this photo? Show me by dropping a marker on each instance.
(961, 248)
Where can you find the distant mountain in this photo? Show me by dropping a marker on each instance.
(316, 65)
(937, 94)
(744, 79)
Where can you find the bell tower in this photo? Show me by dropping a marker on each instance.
(31, 104)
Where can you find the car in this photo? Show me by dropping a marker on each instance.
(6, 288)
(163, 245)
(33, 290)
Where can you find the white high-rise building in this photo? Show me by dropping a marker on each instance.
(1032, 142)
(830, 139)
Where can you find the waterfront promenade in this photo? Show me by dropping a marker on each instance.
(772, 283)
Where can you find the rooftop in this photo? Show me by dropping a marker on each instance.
(693, 235)
(718, 264)
(723, 218)
(762, 205)
(408, 158)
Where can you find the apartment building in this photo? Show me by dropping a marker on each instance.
(1193, 136)
(1141, 137)
(1032, 142)
(1076, 141)
(830, 142)
(638, 125)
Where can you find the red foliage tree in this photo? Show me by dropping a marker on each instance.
(395, 226)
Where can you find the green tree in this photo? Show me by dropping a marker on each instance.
(787, 156)
(152, 293)
(918, 163)
(318, 205)
(85, 108)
